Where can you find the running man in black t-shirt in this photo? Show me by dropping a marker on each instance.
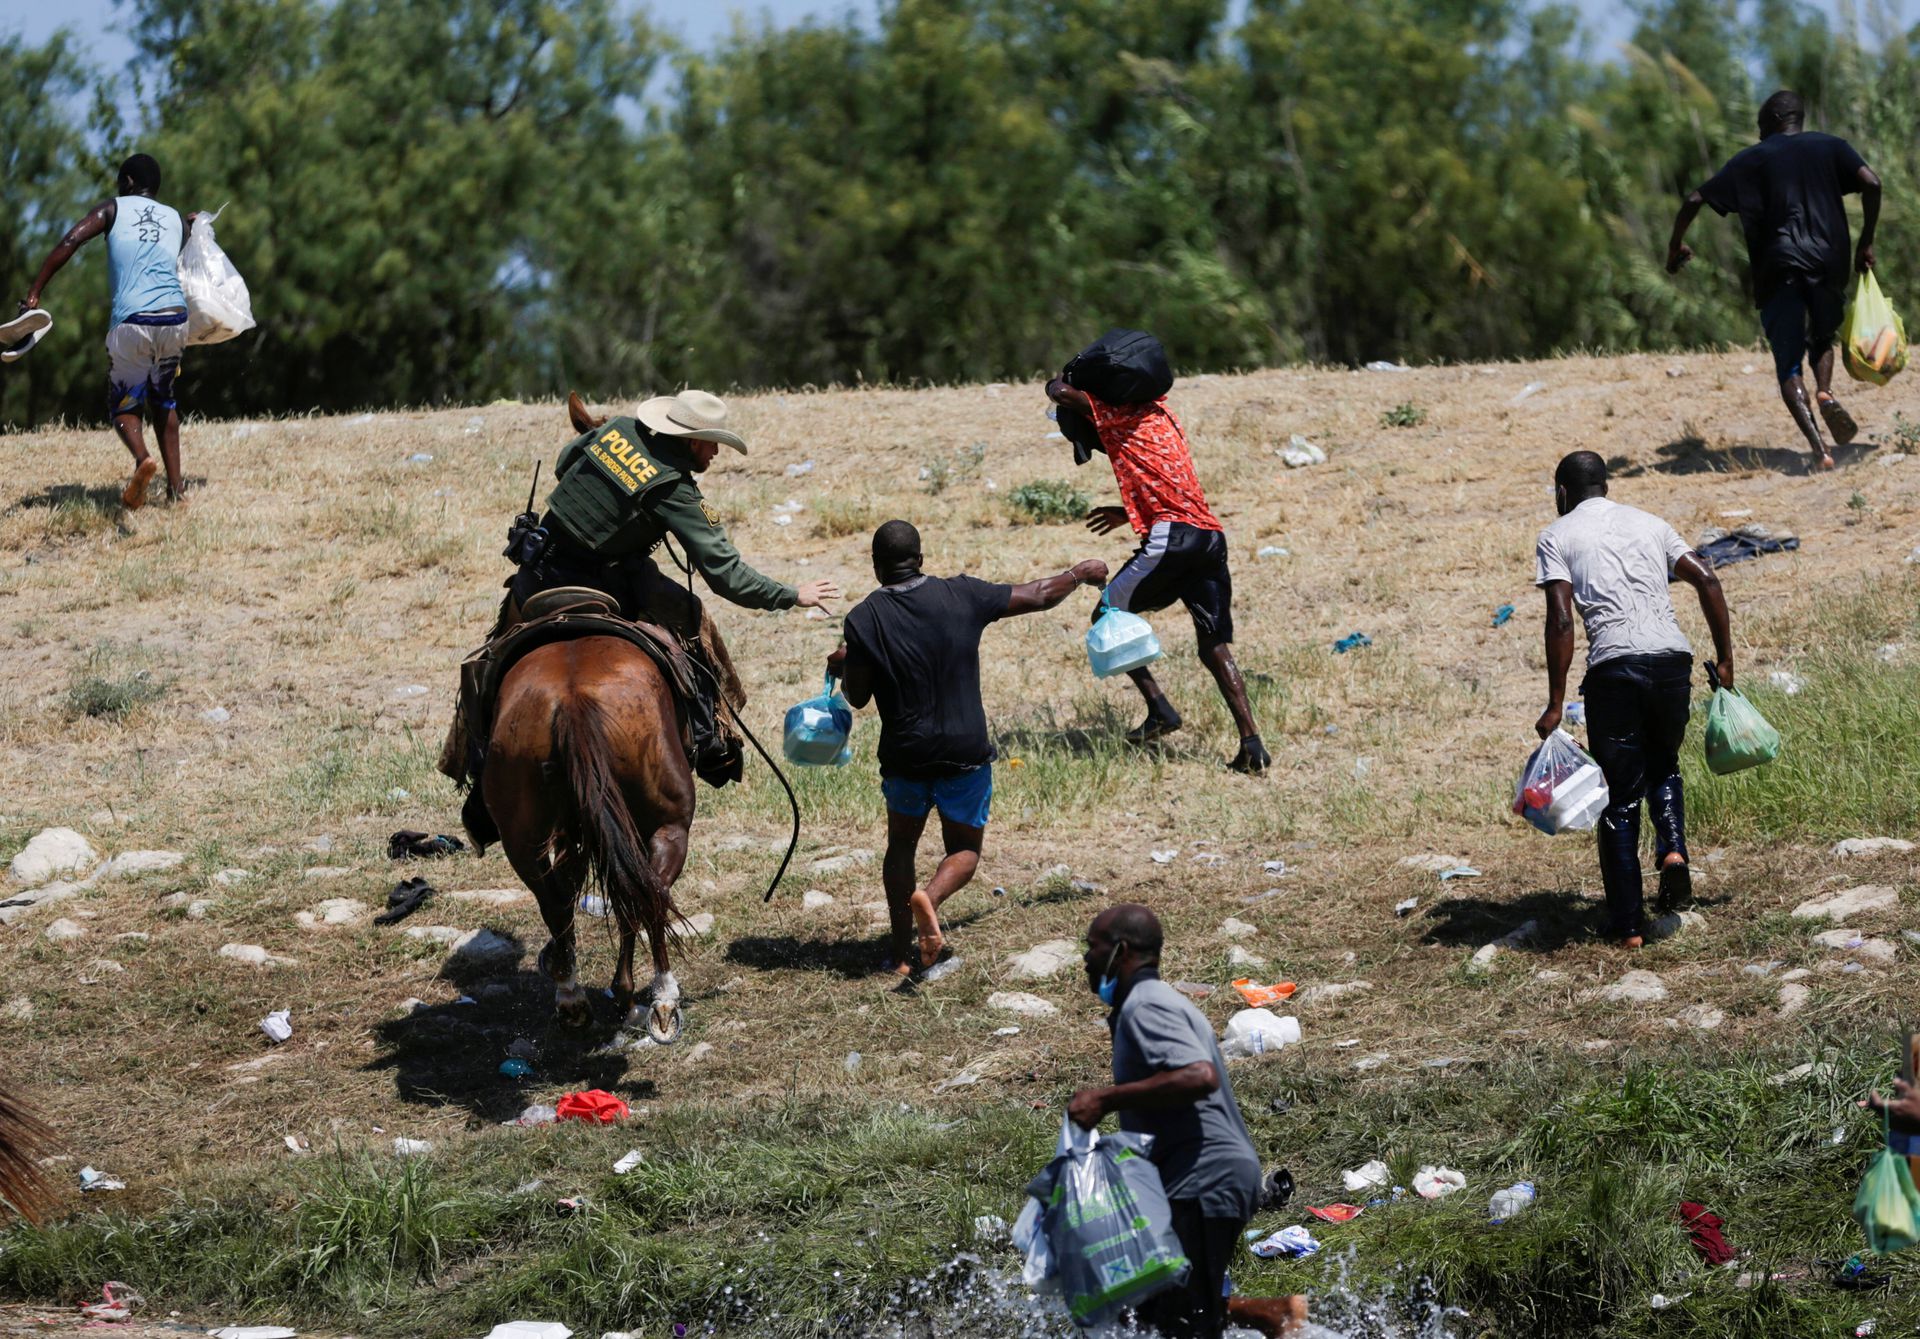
(1788, 190)
(913, 647)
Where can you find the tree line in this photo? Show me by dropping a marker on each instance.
(456, 200)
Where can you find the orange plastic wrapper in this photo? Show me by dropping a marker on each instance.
(1258, 996)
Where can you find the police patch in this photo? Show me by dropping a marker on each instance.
(713, 517)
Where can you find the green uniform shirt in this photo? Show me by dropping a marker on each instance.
(622, 489)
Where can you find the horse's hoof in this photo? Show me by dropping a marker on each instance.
(663, 1024)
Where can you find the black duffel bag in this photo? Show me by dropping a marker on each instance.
(1121, 367)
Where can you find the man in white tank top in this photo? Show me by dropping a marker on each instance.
(148, 331)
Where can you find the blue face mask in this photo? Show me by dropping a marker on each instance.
(1109, 984)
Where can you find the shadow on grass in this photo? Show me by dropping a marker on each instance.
(1562, 916)
(449, 1055)
(1692, 455)
(850, 959)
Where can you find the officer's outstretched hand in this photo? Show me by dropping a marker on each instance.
(815, 594)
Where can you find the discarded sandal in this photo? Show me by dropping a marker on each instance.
(406, 898)
(406, 845)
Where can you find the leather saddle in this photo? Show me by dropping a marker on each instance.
(562, 614)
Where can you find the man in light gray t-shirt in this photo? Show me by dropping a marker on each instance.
(1170, 1082)
(1614, 565)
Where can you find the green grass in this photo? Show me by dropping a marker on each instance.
(1845, 736)
(1404, 415)
(1048, 502)
(111, 682)
(821, 1216)
(835, 515)
(350, 770)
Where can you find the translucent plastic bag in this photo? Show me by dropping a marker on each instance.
(819, 731)
(1872, 337)
(1888, 1206)
(1119, 642)
(1107, 1223)
(1561, 789)
(218, 304)
(1738, 736)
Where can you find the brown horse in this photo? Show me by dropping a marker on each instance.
(587, 779)
(23, 1138)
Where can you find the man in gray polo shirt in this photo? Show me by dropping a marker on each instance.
(1170, 1082)
(1614, 565)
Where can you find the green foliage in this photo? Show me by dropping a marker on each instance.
(1049, 502)
(111, 683)
(1906, 434)
(441, 200)
(942, 472)
(1403, 415)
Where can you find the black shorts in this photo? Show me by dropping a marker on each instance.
(1803, 317)
(1179, 562)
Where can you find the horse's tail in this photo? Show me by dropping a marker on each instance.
(23, 1137)
(601, 825)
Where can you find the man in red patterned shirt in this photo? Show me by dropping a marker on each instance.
(1182, 554)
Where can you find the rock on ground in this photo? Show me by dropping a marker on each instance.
(1431, 863)
(484, 950)
(1856, 846)
(226, 878)
(435, 934)
(1636, 987)
(1793, 998)
(49, 852)
(491, 897)
(1331, 991)
(836, 864)
(1702, 1016)
(254, 955)
(1235, 928)
(130, 863)
(333, 911)
(1020, 1002)
(64, 929)
(1240, 957)
(1848, 902)
(815, 900)
(325, 872)
(1042, 960)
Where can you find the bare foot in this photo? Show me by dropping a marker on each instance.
(1631, 941)
(1272, 1316)
(927, 922)
(134, 496)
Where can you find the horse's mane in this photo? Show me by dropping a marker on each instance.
(23, 1138)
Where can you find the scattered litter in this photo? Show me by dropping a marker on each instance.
(1501, 615)
(113, 1307)
(1406, 908)
(1274, 868)
(1889, 653)
(406, 690)
(783, 520)
(1660, 1301)
(278, 1025)
(1532, 388)
(1459, 872)
(628, 1161)
(1209, 858)
(256, 1332)
(1255, 899)
(1353, 641)
(1006, 1032)
(420, 458)
(1434, 1183)
(851, 1064)
(1299, 453)
(966, 1078)
(1194, 990)
(533, 1329)
(297, 1145)
(1382, 365)
(216, 715)
(594, 905)
(944, 968)
(1515, 1199)
(92, 1179)
(1258, 996)
(409, 845)
(1787, 682)
(1762, 968)
(515, 1068)
(594, 1106)
(1257, 1031)
(1366, 1176)
(1372, 1062)
(991, 1227)
(412, 1148)
(1335, 1213)
(1703, 1231)
(796, 471)
(1164, 857)
(1738, 546)
(1292, 1243)
(1863, 1329)
(1271, 551)
(538, 1114)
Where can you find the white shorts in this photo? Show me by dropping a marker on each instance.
(143, 362)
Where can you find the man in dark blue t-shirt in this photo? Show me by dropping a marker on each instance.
(913, 647)
(1789, 191)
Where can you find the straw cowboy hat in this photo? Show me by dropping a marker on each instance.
(690, 414)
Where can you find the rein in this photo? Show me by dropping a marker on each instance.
(793, 802)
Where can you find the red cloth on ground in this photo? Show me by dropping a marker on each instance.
(591, 1105)
(1703, 1230)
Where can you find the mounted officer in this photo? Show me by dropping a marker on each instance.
(622, 487)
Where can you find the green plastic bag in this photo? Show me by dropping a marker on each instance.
(1873, 338)
(1738, 736)
(1888, 1206)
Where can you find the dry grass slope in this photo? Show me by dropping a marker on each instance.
(325, 573)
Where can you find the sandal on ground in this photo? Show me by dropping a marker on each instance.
(1159, 722)
(1676, 888)
(1839, 422)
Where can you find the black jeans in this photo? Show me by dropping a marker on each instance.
(1198, 1308)
(1637, 710)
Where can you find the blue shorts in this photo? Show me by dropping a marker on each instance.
(964, 799)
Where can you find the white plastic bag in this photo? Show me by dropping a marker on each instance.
(1561, 789)
(1257, 1031)
(218, 304)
